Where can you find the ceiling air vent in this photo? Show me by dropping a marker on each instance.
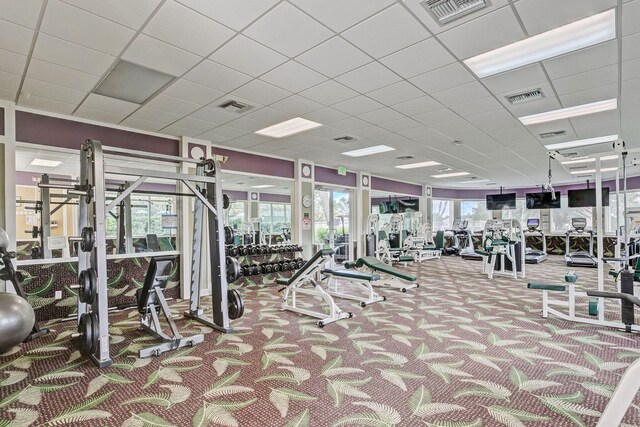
(345, 138)
(445, 11)
(404, 158)
(521, 98)
(553, 134)
(235, 106)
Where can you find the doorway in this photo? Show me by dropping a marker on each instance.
(333, 222)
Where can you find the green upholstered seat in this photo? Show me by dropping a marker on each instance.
(546, 287)
(405, 258)
(309, 264)
(352, 274)
(376, 265)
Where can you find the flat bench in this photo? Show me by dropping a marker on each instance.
(361, 283)
(375, 265)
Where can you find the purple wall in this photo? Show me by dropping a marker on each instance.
(235, 196)
(390, 186)
(1, 121)
(255, 163)
(53, 131)
(330, 176)
(275, 198)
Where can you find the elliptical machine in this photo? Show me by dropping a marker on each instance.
(462, 239)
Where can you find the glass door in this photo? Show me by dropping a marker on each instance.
(332, 222)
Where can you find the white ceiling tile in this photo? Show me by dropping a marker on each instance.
(630, 18)
(231, 13)
(339, 14)
(111, 105)
(588, 79)
(245, 123)
(630, 48)
(268, 115)
(442, 78)
(9, 82)
(293, 77)
(194, 124)
(460, 94)
(599, 93)
(99, 115)
(11, 62)
(482, 118)
(600, 124)
(172, 105)
(158, 116)
(369, 77)
(424, 104)
(436, 116)
(216, 76)
(47, 104)
(631, 69)
(225, 133)
(261, 92)
(86, 29)
(451, 125)
(537, 19)
(516, 80)
(288, 30)
(15, 38)
(138, 123)
(62, 76)
(583, 60)
(351, 124)
(477, 106)
(51, 91)
(358, 105)
(126, 12)
(372, 131)
(254, 60)
(249, 140)
(176, 130)
(497, 126)
(404, 123)
(214, 115)
(396, 93)
(71, 55)
(24, 12)
(329, 93)
(326, 116)
(417, 8)
(296, 105)
(334, 57)
(631, 87)
(382, 115)
(379, 35)
(488, 32)
(201, 35)
(192, 92)
(160, 56)
(419, 58)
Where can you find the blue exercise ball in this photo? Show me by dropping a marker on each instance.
(16, 320)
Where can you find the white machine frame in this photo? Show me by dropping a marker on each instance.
(335, 287)
(511, 229)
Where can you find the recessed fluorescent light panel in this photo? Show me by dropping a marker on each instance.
(368, 151)
(132, 83)
(473, 181)
(418, 165)
(588, 160)
(568, 38)
(580, 172)
(288, 128)
(45, 163)
(262, 186)
(450, 175)
(581, 142)
(567, 113)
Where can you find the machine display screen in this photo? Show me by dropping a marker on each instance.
(496, 202)
(399, 206)
(587, 198)
(543, 200)
(388, 207)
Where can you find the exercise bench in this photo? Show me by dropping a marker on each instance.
(307, 276)
(396, 277)
(151, 300)
(358, 279)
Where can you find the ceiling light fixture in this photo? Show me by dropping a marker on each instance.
(568, 38)
(289, 127)
(418, 165)
(262, 186)
(588, 160)
(473, 181)
(581, 142)
(45, 163)
(569, 112)
(450, 175)
(377, 149)
(580, 172)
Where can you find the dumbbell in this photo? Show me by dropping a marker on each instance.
(276, 267)
(253, 250)
(300, 263)
(234, 251)
(246, 270)
(243, 250)
(268, 268)
(255, 270)
(293, 265)
(285, 266)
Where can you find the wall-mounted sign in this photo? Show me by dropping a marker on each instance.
(169, 222)
(342, 170)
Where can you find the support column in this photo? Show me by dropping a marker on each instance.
(302, 216)
(363, 203)
(427, 207)
(8, 178)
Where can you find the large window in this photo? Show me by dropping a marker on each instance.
(236, 214)
(475, 211)
(521, 213)
(146, 215)
(561, 218)
(442, 214)
(274, 217)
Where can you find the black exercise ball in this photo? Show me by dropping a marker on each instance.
(16, 320)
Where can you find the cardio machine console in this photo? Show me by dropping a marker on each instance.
(579, 224)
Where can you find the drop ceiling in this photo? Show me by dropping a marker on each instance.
(381, 71)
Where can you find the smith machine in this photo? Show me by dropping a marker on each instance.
(92, 315)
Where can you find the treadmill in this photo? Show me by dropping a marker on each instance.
(579, 259)
(535, 256)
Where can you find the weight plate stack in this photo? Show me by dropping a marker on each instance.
(89, 333)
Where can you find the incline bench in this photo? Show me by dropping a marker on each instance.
(151, 300)
(395, 275)
(306, 275)
(358, 279)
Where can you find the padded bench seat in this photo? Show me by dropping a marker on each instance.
(375, 264)
(546, 287)
(352, 274)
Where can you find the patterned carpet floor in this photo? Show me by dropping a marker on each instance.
(459, 351)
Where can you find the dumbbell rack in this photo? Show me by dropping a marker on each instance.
(252, 264)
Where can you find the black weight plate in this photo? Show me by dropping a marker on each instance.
(235, 252)
(225, 201)
(276, 267)
(89, 331)
(229, 235)
(88, 282)
(300, 263)
(233, 270)
(285, 266)
(235, 304)
(88, 239)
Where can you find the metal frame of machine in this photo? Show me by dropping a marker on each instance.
(534, 256)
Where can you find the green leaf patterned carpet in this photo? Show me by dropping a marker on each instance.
(460, 351)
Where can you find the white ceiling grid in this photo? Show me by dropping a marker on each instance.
(382, 71)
